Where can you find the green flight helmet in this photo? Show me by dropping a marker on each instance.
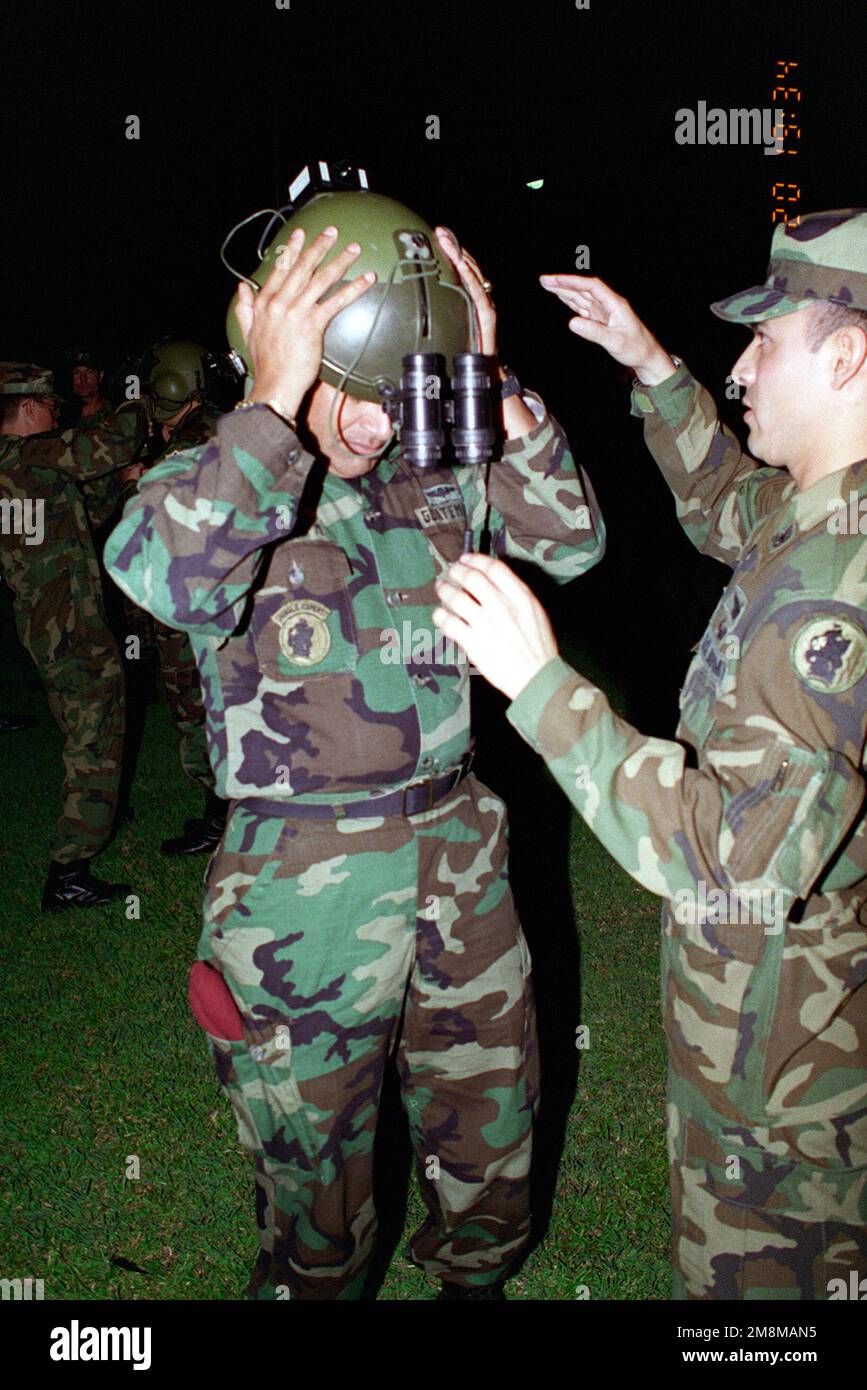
(172, 372)
(417, 303)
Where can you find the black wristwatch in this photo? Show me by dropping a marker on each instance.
(511, 386)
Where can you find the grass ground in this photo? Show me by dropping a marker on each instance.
(100, 1060)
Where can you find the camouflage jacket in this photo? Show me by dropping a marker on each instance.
(309, 596)
(196, 428)
(39, 479)
(751, 823)
(99, 417)
(105, 496)
(102, 496)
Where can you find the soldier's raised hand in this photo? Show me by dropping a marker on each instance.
(476, 286)
(284, 323)
(606, 318)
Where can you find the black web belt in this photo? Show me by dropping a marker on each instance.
(410, 800)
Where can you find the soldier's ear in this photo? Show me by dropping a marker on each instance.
(846, 355)
(849, 347)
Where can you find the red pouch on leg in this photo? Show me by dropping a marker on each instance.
(212, 1004)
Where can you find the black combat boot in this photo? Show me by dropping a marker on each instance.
(201, 834)
(486, 1293)
(73, 885)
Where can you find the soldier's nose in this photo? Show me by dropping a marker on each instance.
(742, 372)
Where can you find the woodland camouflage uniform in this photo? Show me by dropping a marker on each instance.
(359, 901)
(752, 827)
(59, 611)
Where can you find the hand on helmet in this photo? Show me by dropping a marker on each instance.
(284, 324)
(474, 283)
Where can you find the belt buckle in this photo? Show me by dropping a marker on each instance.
(428, 782)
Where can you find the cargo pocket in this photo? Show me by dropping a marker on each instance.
(720, 1001)
(273, 1120)
(787, 822)
(741, 1230)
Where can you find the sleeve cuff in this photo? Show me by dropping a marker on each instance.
(672, 399)
(527, 709)
(536, 439)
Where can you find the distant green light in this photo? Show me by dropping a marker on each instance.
(536, 183)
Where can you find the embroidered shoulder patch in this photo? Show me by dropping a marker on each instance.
(829, 654)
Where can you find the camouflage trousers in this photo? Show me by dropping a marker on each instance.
(752, 1217)
(84, 685)
(344, 943)
(180, 676)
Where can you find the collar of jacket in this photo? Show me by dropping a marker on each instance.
(815, 504)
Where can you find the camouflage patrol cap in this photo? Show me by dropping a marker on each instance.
(81, 357)
(822, 255)
(26, 379)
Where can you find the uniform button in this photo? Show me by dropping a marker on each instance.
(428, 762)
(257, 1053)
(372, 517)
(394, 597)
(293, 456)
(781, 537)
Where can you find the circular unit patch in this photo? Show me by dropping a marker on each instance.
(829, 654)
(304, 636)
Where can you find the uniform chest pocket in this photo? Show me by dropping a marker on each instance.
(302, 622)
(712, 674)
(720, 647)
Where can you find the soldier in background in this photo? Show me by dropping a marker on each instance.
(752, 824)
(88, 371)
(175, 375)
(104, 498)
(49, 562)
(102, 495)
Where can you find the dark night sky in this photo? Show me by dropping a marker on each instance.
(118, 240)
(115, 242)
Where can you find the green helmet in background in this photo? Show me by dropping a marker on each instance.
(172, 372)
(417, 303)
